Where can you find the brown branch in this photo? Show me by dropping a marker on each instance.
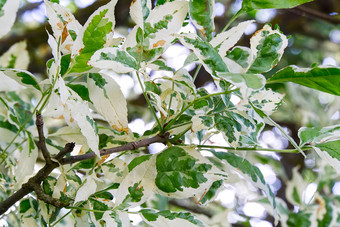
(306, 11)
(125, 147)
(42, 141)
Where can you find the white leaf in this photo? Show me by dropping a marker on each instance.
(26, 162)
(267, 100)
(112, 220)
(226, 40)
(87, 189)
(108, 100)
(18, 53)
(139, 11)
(60, 186)
(9, 84)
(8, 12)
(63, 23)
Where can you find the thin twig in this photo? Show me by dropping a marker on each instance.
(309, 12)
(42, 141)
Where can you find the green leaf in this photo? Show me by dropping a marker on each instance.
(202, 16)
(81, 90)
(318, 135)
(267, 46)
(330, 152)
(177, 169)
(136, 161)
(168, 218)
(97, 205)
(212, 191)
(92, 37)
(249, 5)
(324, 78)
(300, 219)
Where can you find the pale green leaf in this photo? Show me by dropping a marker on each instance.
(8, 12)
(323, 78)
(202, 15)
(87, 189)
(113, 58)
(330, 152)
(16, 57)
(108, 100)
(94, 35)
(267, 47)
(318, 135)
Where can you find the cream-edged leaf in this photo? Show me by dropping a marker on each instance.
(202, 14)
(115, 59)
(139, 11)
(16, 57)
(22, 77)
(94, 35)
(8, 12)
(108, 100)
(87, 189)
(267, 100)
(330, 152)
(64, 25)
(226, 40)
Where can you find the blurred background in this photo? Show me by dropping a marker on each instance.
(314, 30)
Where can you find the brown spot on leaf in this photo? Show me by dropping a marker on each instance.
(64, 34)
(159, 43)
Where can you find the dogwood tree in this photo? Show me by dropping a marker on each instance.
(97, 171)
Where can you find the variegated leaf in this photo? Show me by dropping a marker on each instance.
(108, 99)
(202, 14)
(139, 11)
(330, 152)
(64, 25)
(23, 77)
(318, 135)
(94, 35)
(16, 57)
(115, 59)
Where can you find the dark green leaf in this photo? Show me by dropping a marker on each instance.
(81, 90)
(136, 161)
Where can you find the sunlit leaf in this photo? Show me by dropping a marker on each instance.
(108, 99)
(8, 12)
(323, 78)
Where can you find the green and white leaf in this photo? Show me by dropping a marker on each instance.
(267, 47)
(115, 170)
(139, 183)
(315, 135)
(87, 189)
(267, 100)
(248, 171)
(116, 219)
(238, 59)
(94, 35)
(139, 11)
(26, 162)
(226, 40)
(8, 12)
(108, 100)
(182, 172)
(330, 152)
(113, 58)
(22, 77)
(16, 57)
(64, 25)
(206, 53)
(168, 218)
(295, 188)
(246, 82)
(163, 22)
(202, 14)
(322, 78)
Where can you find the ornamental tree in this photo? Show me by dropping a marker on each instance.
(69, 156)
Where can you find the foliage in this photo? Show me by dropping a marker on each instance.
(111, 173)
